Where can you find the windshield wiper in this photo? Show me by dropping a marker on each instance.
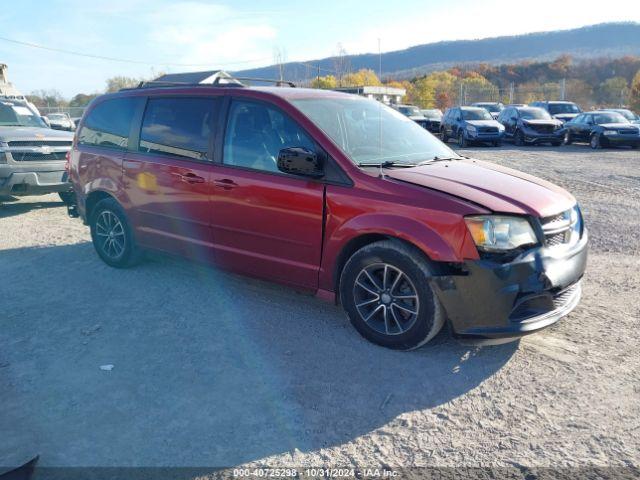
(387, 164)
(439, 159)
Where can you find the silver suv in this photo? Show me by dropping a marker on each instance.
(32, 155)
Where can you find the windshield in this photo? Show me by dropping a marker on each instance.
(628, 114)
(369, 132)
(556, 108)
(18, 115)
(436, 114)
(410, 111)
(609, 117)
(476, 114)
(491, 107)
(534, 114)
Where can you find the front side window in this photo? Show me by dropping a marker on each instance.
(108, 123)
(256, 133)
(179, 127)
(369, 132)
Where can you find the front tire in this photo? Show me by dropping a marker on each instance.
(594, 142)
(567, 138)
(519, 138)
(112, 235)
(386, 294)
(462, 139)
(444, 136)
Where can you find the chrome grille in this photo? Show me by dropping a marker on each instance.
(40, 143)
(37, 156)
(560, 229)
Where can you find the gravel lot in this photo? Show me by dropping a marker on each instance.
(213, 369)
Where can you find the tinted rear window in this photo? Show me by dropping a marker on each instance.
(178, 127)
(108, 124)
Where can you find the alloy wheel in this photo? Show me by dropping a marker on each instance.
(110, 234)
(386, 299)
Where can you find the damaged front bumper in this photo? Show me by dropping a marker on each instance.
(487, 299)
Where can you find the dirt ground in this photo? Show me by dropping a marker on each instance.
(213, 369)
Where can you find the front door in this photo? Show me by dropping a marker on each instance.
(168, 177)
(264, 222)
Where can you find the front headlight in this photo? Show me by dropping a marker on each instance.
(497, 233)
(500, 127)
(471, 129)
(609, 132)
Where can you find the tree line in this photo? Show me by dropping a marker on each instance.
(591, 83)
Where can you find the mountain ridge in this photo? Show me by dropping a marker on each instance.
(592, 41)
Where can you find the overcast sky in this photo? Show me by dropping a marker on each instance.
(162, 35)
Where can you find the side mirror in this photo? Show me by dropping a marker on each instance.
(300, 161)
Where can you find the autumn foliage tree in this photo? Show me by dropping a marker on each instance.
(635, 92)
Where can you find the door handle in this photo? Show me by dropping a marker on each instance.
(191, 178)
(225, 183)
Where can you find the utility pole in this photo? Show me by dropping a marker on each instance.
(563, 86)
(511, 88)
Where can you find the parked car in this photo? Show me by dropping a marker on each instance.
(76, 121)
(61, 121)
(333, 194)
(530, 125)
(433, 118)
(494, 108)
(412, 112)
(626, 113)
(563, 111)
(602, 129)
(32, 155)
(471, 124)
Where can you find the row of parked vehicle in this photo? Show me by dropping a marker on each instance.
(547, 122)
(61, 121)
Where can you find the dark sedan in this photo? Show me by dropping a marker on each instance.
(433, 118)
(530, 125)
(602, 129)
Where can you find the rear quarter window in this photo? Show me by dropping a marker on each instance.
(108, 124)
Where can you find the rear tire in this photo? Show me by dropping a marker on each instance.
(385, 292)
(112, 235)
(556, 144)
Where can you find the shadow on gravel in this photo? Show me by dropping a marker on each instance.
(12, 209)
(209, 368)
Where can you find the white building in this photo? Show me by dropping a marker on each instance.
(387, 95)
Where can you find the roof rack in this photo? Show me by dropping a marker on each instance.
(279, 83)
(218, 82)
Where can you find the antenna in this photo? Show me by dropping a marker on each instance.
(380, 109)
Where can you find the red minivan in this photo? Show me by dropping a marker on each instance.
(333, 194)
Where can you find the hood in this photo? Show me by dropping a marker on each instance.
(417, 117)
(616, 126)
(565, 116)
(33, 133)
(542, 121)
(497, 188)
(483, 123)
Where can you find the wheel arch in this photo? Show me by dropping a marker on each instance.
(363, 231)
(93, 198)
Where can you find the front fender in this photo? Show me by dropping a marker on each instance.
(436, 244)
